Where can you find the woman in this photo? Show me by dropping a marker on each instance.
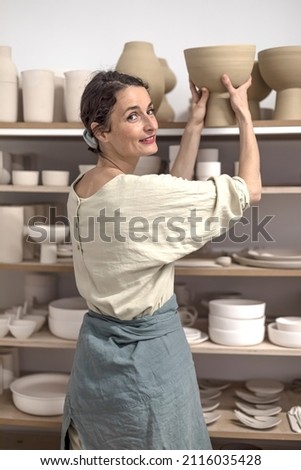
(133, 382)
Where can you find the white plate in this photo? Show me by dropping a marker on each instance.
(216, 384)
(196, 263)
(211, 416)
(264, 387)
(40, 394)
(210, 394)
(252, 398)
(262, 422)
(244, 260)
(209, 404)
(254, 411)
(192, 333)
(276, 254)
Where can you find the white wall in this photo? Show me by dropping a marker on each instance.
(70, 34)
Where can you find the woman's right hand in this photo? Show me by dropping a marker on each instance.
(238, 96)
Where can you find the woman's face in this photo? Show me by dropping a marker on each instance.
(133, 125)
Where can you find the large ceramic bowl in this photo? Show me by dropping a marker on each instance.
(68, 309)
(207, 64)
(245, 337)
(280, 68)
(237, 308)
(288, 323)
(224, 323)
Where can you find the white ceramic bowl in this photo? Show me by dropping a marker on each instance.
(245, 337)
(4, 329)
(65, 329)
(223, 323)
(40, 394)
(68, 309)
(22, 329)
(25, 177)
(288, 323)
(39, 319)
(287, 339)
(148, 165)
(55, 177)
(237, 308)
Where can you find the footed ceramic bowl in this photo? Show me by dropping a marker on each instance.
(207, 64)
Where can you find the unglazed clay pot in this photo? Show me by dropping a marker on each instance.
(207, 64)
(8, 86)
(75, 83)
(38, 95)
(139, 59)
(280, 68)
(257, 92)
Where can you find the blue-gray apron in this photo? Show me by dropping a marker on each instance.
(133, 385)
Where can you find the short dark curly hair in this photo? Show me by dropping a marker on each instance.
(99, 96)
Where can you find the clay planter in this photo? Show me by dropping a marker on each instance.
(206, 65)
(280, 68)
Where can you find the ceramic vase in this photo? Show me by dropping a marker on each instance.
(8, 86)
(38, 95)
(11, 234)
(75, 82)
(280, 68)
(138, 58)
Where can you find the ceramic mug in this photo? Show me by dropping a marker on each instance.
(188, 315)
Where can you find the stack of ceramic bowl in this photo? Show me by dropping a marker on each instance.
(236, 322)
(285, 331)
(66, 316)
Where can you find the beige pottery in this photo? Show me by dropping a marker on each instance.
(139, 59)
(9, 89)
(38, 95)
(75, 83)
(170, 78)
(11, 234)
(280, 68)
(205, 67)
(257, 92)
(165, 112)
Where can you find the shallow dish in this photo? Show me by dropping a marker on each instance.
(40, 394)
(276, 254)
(260, 263)
(260, 422)
(255, 399)
(288, 323)
(211, 416)
(209, 404)
(264, 386)
(254, 411)
(287, 339)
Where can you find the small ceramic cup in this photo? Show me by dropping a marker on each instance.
(188, 315)
(25, 177)
(205, 170)
(55, 177)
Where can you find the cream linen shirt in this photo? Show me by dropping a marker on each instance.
(127, 236)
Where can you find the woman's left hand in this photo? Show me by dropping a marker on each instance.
(199, 100)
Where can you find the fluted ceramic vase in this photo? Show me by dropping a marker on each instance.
(138, 58)
(8, 86)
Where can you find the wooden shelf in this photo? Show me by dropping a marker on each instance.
(225, 427)
(168, 129)
(44, 339)
(11, 188)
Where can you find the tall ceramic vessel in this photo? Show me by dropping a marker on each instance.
(38, 95)
(75, 83)
(138, 58)
(8, 86)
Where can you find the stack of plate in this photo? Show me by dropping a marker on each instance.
(210, 392)
(194, 336)
(269, 258)
(259, 407)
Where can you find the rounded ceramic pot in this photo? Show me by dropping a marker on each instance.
(257, 92)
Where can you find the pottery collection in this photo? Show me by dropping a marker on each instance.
(43, 95)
